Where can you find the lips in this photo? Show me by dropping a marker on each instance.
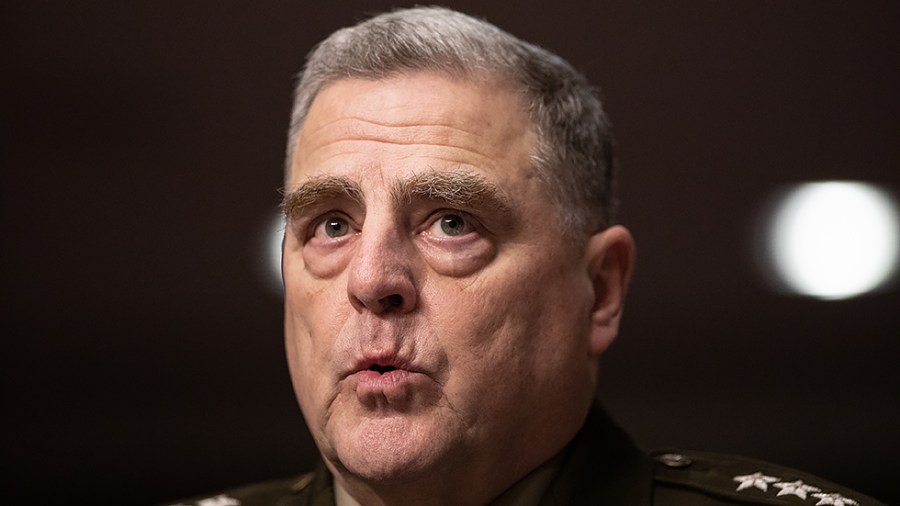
(380, 363)
(381, 373)
(385, 381)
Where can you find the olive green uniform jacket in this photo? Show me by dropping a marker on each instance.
(602, 466)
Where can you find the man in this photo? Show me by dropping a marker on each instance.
(453, 274)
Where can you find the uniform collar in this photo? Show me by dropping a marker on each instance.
(602, 466)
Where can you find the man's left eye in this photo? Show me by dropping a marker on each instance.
(451, 225)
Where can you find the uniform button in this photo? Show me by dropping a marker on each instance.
(674, 460)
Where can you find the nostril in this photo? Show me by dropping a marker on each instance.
(393, 300)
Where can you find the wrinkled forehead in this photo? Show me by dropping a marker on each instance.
(481, 121)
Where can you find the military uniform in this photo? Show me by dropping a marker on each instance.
(602, 466)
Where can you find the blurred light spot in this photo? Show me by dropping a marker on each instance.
(834, 240)
(273, 253)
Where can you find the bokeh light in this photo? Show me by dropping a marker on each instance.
(833, 239)
(274, 236)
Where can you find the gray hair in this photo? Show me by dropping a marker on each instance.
(574, 155)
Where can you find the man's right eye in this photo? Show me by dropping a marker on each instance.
(333, 227)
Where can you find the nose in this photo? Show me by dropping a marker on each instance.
(381, 272)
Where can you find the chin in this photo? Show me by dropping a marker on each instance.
(393, 449)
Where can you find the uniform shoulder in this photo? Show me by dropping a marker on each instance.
(702, 478)
(266, 493)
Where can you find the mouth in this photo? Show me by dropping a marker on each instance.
(387, 381)
(382, 369)
(381, 364)
(382, 373)
(382, 382)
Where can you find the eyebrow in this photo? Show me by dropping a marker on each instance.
(317, 190)
(455, 188)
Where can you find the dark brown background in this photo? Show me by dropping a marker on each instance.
(142, 151)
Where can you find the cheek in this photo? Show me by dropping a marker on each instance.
(309, 342)
(313, 317)
(314, 314)
(530, 324)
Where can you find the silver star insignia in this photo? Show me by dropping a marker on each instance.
(834, 499)
(758, 480)
(797, 488)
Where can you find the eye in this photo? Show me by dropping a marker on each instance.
(451, 225)
(333, 227)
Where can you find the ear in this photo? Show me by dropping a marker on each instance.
(610, 256)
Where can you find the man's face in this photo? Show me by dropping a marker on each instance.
(436, 320)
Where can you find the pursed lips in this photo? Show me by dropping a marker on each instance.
(376, 369)
(385, 380)
(379, 363)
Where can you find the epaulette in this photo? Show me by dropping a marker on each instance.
(699, 478)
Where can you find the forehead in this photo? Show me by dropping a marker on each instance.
(414, 120)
